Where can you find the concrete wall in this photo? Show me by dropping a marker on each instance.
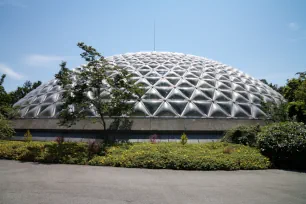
(123, 136)
(141, 124)
(168, 130)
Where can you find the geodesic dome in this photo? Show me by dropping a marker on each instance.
(177, 85)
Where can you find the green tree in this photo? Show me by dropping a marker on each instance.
(276, 112)
(295, 93)
(6, 109)
(23, 91)
(96, 87)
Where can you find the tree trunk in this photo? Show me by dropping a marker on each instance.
(104, 127)
(103, 122)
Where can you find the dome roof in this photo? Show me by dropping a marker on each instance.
(177, 85)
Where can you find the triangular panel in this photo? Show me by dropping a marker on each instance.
(238, 112)
(204, 106)
(226, 106)
(163, 83)
(219, 96)
(217, 112)
(257, 112)
(164, 91)
(140, 110)
(173, 80)
(199, 95)
(176, 95)
(192, 110)
(153, 80)
(165, 110)
(187, 91)
(152, 105)
(178, 106)
(239, 98)
(152, 94)
(209, 92)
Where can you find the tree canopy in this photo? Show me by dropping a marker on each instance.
(294, 106)
(96, 88)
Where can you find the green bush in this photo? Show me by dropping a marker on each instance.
(285, 144)
(184, 139)
(6, 130)
(209, 156)
(246, 135)
(28, 136)
(45, 152)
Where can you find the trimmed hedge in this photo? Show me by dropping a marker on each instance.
(285, 144)
(6, 130)
(208, 156)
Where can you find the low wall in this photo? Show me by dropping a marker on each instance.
(167, 129)
(141, 124)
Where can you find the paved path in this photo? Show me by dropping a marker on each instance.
(30, 183)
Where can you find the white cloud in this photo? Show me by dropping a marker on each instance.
(37, 60)
(10, 72)
(293, 26)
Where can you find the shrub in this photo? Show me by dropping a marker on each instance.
(209, 156)
(94, 148)
(46, 152)
(184, 139)
(228, 150)
(6, 130)
(28, 136)
(246, 135)
(285, 144)
(65, 153)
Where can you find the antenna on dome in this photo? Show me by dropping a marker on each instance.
(154, 34)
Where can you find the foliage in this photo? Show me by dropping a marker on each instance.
(295, 93)
(246, 135)
(208, 156)
(28, 136)
(294, 108)
(96, 86)
(6, 109)
(6, 130)
(184, 139)
(23, 91)
(284, 143)
(94, 148)
(7, 100)
(46, 152)
(276, 112)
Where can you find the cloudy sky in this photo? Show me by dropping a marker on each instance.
(266, 39)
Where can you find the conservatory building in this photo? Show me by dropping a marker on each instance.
(183, 93)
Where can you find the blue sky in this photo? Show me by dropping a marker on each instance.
(264, 38)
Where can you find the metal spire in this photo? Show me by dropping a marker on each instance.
(154, 34)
